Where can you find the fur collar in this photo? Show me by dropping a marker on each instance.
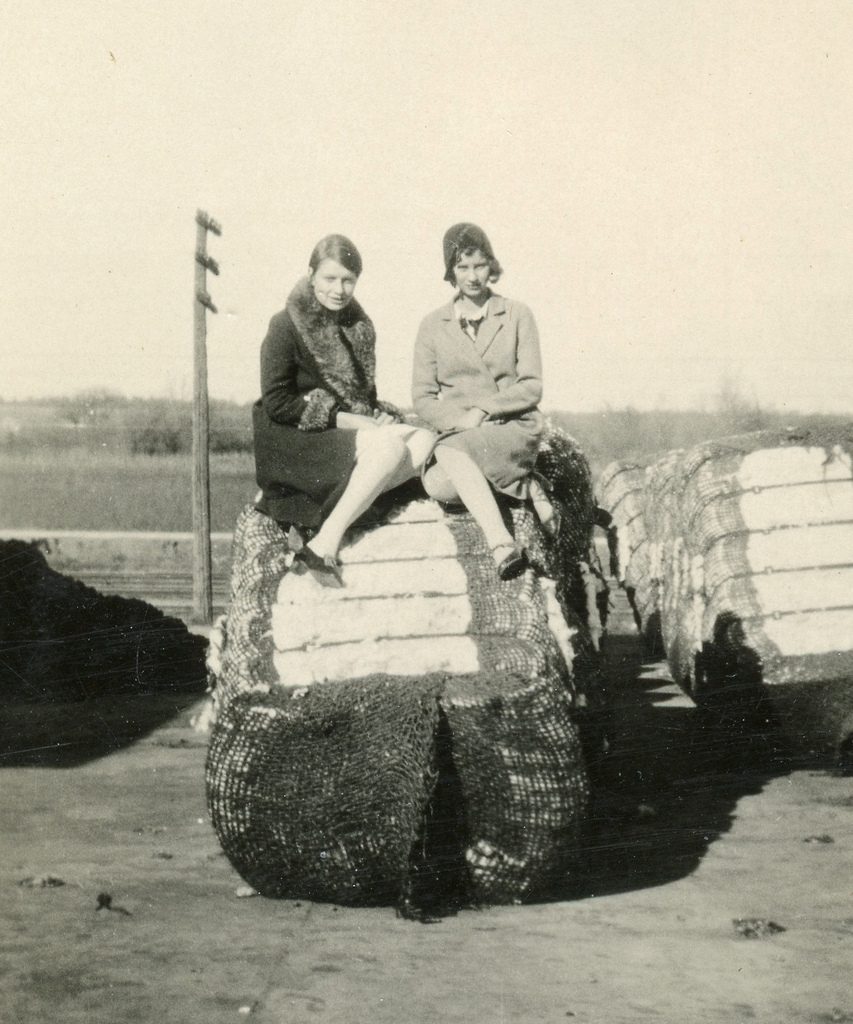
(348, 371)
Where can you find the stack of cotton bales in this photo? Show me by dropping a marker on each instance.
(669, 554)
(752, 540)
(621, 493)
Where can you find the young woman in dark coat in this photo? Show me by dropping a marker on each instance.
(325, 446)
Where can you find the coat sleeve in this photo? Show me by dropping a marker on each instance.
(525, 393)
(282, 400)
(425, 389)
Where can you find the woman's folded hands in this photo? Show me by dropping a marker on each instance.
(355, 421)
(470, 419)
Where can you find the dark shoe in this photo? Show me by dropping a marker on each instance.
(513, 565)
(325, 569)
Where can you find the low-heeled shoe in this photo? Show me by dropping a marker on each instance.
(326, 569)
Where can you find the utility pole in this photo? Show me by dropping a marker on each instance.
(202, 574)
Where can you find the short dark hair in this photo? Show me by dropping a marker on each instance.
(338, 248)
(462, 240)
(495, 269)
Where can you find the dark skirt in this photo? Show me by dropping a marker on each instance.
(302, 473)
(505, 451)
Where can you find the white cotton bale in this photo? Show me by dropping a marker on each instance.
(770, 521)
(405, 540)
(410, 576)
(804, 590)
(810, 504)
(292, 770)
(621, 493)
(391, 578)
(797, 547)
(779, 467)
(813, 633)
(298, 625)
(410, 656)
(423, 511)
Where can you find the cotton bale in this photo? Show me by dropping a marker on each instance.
(666, 557)
(767, 605)
(345, 717)
(621, 493)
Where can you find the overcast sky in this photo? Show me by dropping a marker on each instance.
(667, 184)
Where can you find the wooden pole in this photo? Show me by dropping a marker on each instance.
(202, 573)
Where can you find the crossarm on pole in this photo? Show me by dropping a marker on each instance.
(207, 222)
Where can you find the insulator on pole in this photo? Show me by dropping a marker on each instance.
(208, 262)
(206, 301)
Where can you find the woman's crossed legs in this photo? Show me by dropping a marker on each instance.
(457, 476)
(385, 457)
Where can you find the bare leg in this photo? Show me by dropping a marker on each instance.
(385, 458)
(419, 443)
(476, 493)
(438, 485)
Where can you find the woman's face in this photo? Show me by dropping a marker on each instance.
(333, 284)
(471, 273)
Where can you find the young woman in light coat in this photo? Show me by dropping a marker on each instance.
(477, 380)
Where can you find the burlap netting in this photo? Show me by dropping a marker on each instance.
(460, 772)
(322, 797)
(751, 547)
(666, 545)
(621, 493)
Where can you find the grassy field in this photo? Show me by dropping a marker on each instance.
(108, 463)
(90, 491)
(103, 462)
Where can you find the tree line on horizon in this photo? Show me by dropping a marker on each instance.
(100, 420)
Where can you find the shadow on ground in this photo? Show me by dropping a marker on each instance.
(672, 779)
(83, 674)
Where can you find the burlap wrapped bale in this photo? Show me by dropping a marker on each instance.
(572, 563)
(621, 493)
(515, 731)
(758, 576)
(300, 790)
(519, 760)
(343, 715)
(668, 579)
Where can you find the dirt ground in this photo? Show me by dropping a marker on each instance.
(692, 829)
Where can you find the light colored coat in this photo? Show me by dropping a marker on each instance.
(500, 372)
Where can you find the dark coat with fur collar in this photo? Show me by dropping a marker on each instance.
(314, 364)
